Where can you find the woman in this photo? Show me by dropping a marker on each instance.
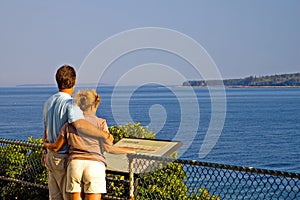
(86, 163)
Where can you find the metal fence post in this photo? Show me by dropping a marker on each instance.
(131, 178)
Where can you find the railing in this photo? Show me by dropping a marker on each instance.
(23, 177)
(213, 181)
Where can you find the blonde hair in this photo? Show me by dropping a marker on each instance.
(86, 99)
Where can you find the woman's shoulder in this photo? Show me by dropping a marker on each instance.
(95, 119)
(102, 124)
(69, 128)
(101, 120)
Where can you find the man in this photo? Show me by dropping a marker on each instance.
(58, 110)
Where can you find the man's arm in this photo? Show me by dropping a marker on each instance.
(85, 127)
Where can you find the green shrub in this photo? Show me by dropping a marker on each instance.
(131, 130)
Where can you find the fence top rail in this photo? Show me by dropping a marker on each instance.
(21, 143)
(181, 161)
(216, 165)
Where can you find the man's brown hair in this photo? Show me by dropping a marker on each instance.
(65, 77)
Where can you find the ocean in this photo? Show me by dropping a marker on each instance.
(261, 126)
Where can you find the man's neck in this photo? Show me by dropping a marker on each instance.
(68, 91)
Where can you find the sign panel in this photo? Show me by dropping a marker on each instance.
(119, 162)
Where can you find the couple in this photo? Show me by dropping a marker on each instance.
(75, 139)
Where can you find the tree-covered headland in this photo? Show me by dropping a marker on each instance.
(283, 80)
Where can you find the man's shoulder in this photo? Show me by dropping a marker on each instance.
(59, 98)
(53, 97)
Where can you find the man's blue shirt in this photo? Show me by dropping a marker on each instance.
(58, 110)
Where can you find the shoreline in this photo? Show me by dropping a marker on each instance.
(237, 86)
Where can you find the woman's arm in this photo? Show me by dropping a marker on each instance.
(108, 147)
(60, 141)
(43, 159)
(117, 150)
(45, 135)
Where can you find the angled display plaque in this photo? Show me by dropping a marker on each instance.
(151, 147)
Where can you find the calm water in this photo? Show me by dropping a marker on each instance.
(262, 125)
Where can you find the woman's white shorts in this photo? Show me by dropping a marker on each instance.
(87, 176)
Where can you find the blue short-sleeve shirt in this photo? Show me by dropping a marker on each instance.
(58, 110)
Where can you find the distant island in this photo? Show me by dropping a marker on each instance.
(54, 85)
(283, 80)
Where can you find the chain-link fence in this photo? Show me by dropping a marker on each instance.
(163, 178)
(21, 174)
(23, 177)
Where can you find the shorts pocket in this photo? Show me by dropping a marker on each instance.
(59, 163)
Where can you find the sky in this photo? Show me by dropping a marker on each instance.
(243, 38)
